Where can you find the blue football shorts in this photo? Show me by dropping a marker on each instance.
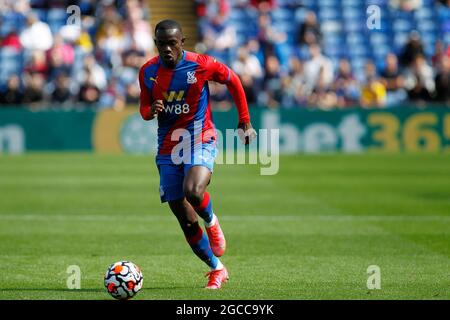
(172, 175)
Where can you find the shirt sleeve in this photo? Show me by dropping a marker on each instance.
(145, 97)
(217, 71)
(221, 73)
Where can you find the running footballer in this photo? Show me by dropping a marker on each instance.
(174, 89)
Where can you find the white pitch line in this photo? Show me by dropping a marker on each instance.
(273, 218)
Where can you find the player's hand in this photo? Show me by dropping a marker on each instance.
(157, 107)
(246, 132)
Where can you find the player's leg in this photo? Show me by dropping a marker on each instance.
(196, 180)
(199, 242)
(171, 189)
(193, 233)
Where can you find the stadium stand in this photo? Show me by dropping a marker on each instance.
(288, 53)
(287, 28)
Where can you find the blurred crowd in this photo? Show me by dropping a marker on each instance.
(92, 62)
(95, 62)
(277, 72)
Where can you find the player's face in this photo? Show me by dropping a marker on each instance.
(170, 46)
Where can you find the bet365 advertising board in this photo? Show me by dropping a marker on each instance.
(405, 129)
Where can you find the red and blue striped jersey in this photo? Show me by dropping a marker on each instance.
(185, 93)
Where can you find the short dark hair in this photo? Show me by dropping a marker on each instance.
(167, 25)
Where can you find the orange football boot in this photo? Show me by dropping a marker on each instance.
(216, 278)
(216, 239)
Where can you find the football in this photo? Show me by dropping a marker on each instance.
(123, 280)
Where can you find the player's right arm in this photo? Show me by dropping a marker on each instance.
(148, 107)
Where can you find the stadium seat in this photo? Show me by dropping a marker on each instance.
(328, 3)
(350, 13)
(11, 21)
(352, 3)
(354, 26)
(282, 14)
(423, 13)
(300, 14)
(8, 54)
(237, 15)
(310, 4)
(328, 14)
(41, 14)
(427, 26)
(332, 27)
(400, 40)
(56, 14)
(402, 25)
(333, 39)
(378, 39)
(447, 39)
(356, 38)
(56, 18)
(380, 3)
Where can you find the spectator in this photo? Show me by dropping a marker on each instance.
(442, 81)
(405, 5)
(412, 49)
(219, 36)
(419, 80)
(297, 85)
(263, 6)
(247, 63)
(248, 83)
(111, 39)
(213, 8)
(250, 71)
(92, 69)
(37, 63)
(132, 93)
(12, 94)
(393, 81)
(84, 41)
(89, 93)
(220, 99)
(137, 28)
(272, 81)
(254, 48)
(272, 41)
(309, 31)
(37, 35)
(11, 40)
(132, 60)
(317, 65)
(113, 95)
(61, 57)
(87, 7)
(439, 52)
(322, 96)
(61, 93)
(17, 6)
(128, 72)
(33, 92)
(373, 92)
(108, 12)
(346, 86)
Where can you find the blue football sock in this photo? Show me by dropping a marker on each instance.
(200, 245)
(204, 210)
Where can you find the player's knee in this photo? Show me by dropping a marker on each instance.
(189, 228)
(194, 195)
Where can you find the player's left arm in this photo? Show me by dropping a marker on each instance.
(223, 74)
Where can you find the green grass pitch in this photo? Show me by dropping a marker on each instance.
(309, 232)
